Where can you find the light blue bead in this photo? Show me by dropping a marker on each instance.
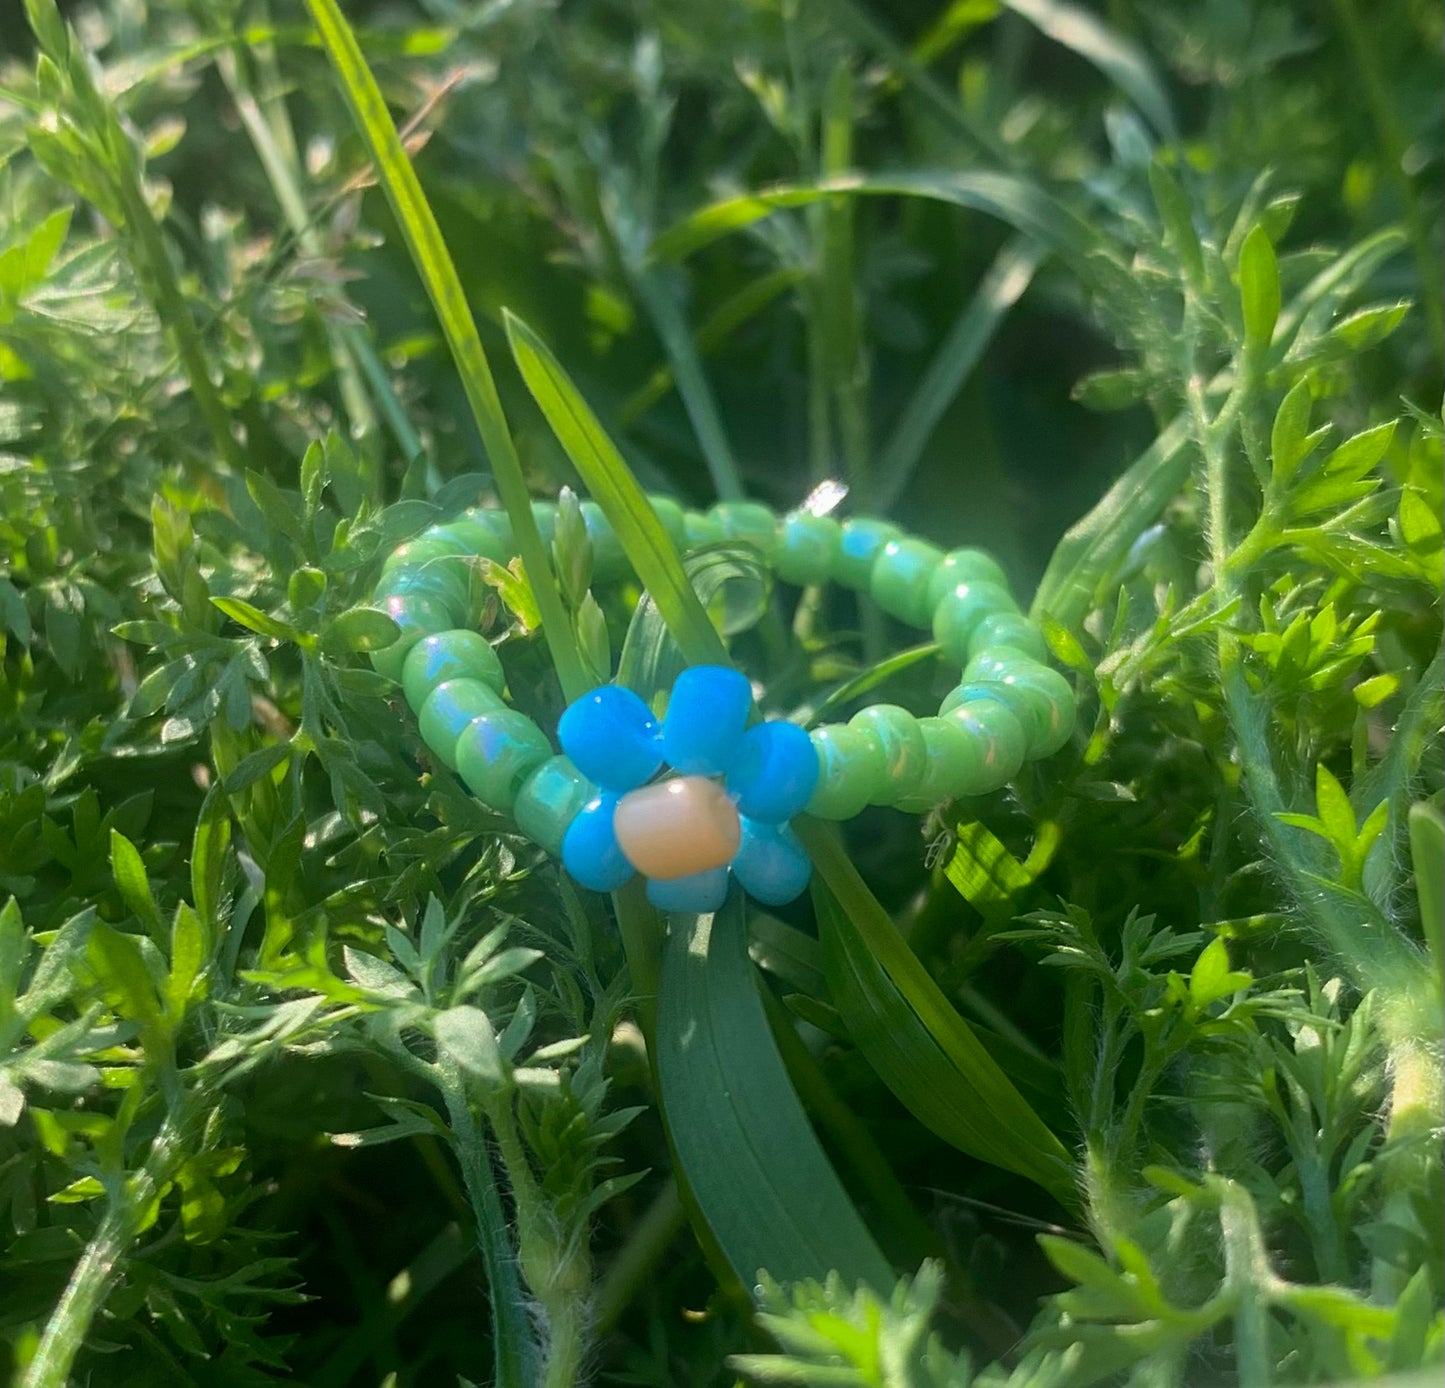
(705, 719)
(698, 895)
(774, 772)
(611, 737)
(590, 851)
(771, 864)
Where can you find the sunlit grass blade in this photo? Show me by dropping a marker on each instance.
(915, 1039)
(1019, 202)
(751, 1161)
(439, 274)
(653, 556)
(999, 290)
(868, 680)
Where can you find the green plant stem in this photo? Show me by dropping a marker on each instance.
(650, 1238)
(1248, 1275)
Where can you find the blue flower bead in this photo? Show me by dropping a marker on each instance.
(611, 737)
(705, 718)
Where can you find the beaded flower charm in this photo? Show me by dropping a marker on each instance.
(725, 810)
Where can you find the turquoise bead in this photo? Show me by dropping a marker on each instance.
(1008, 629)
(1001, 738)
(496, 753)
(861, 543)
(901, 577)
(749, 521)
(772, 866)
(431, 544)
(549, 800)
(774, 772)
(960, 610)
(612, 738)
(964, 566)
(418, 615)
(955, 764)
(707, 713)
(905, 755)
(446, 579)
(851, 771)
(670, 514)
(449, 655)
(608, 558)
(590, 851)
(1041, 698)
(447, 711)
(808, 548)
(699, 529)
(698, 895)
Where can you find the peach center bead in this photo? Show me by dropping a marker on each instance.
(678, 827)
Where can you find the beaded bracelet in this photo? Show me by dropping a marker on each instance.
(725, 811)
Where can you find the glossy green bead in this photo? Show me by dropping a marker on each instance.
(905, 755)
(699, 529)
(446, 579)
(496, 753)
(448, 709)
(955, 764)
(449, 655)
(1011, 629)
(431, 544)
(418, 615)
(1042, 699)
(484, 532)
(993, 724)
(608, 558)
(670, 514)
(807, 548)
(964, 566)
(901, 577)
(549, 801)
(545, 515)
(994, 662)
(862, 542)
(961, 609)
(852, 772)
(750, 521)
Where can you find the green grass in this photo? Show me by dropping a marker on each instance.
(312, 1071)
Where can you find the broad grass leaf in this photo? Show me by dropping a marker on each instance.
(754, 1167)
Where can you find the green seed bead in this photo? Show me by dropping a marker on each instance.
(485, 532)
(964, 566)
(549, 801)
(699, 529)
(862, 542)
(496, 753)
(901, 577)
(431, 544)
(905, 755)
(1041, 698)
(448, 709)
(545, 514)
(749, 521)
(961, 609)
(852, 772)
(993, 723)
(449, 655)
(418, 615)
(994, 662)
(1010, 629)
(608, 558)
(807, 547)
(670, 514)
(955, 763)
(446, 579)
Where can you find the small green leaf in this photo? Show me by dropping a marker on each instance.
(465, 1033)
(135, 889)
(1367, 327)
(1258, 287)
(1178, 218)
(1211, 977)
(1289, 439)
(253, 619)
(1427, 857)
(1356, 456)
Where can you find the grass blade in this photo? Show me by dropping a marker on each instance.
(651, 552)
(443, 286)
(751, 1161)
(1000, 289)
(912, 1036)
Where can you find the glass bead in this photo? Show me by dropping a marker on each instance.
(1041, 698)
(545, 515)
(611, 736)
(851, 771)
(963, 566)
(496, 753)
(698, 895)
(807, 548)
(431, 544)
(449, 655)
(699, 529)
(483, 532)
(961, 609)
(861, 543)
(549, 800)
(994, 663)
(590, 851)
(678, 827)
(706, 715)
(1002, 740)
(905, 756)
(774, 771)
(445, 579)
(448, 709)
(772, 866)
(418, 615)
(900, 580)
(670, 514)
(749, 521)
(1010, 629)
(955, 764)
(608, 558)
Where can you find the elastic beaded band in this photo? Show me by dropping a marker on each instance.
(725, 810)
